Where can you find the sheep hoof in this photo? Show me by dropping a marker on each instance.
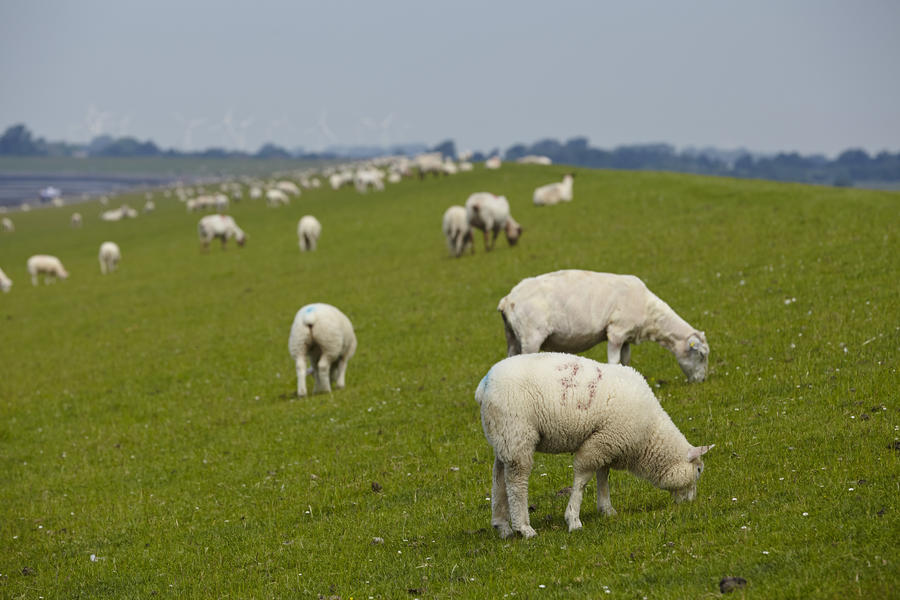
(528, 532)
(609, 512)
(575, 525)
(503, 529)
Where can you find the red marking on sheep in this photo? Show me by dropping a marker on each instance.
(568, 382)
(592, 391)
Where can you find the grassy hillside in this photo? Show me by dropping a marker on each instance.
(147, 418)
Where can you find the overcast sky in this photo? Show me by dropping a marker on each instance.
(769, 75)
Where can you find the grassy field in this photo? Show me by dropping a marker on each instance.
(151, 444)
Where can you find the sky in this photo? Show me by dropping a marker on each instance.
(811, 76)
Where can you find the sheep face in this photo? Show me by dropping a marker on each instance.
(690, 472)
(693, 356)
(513, 232)
(241, 240)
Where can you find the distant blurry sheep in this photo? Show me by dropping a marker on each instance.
(5, 282)
(75, 221)
(490, 214)
(109, 256)
(48, 266)
(222, 227)
(455, 226)
(554, 193)
(308, 231)
(7, 225)
(492, 163)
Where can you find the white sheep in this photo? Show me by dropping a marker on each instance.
(276, 197)
(554, 193)
(325, 335)
(7, 225)
(222, 227)
(75, 220)
(109, 256)
(149, 206)
(5, 282)
(456, 228)
(606, 415)
(429, 162)
(366, 178)
(308, 231)
(492, 163)
(490, 214)
(573, 310)
(288, 187)
(48, 266)
(535, 159)
(465, 166)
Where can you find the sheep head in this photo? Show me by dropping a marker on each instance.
(693, 356)
(689, 474)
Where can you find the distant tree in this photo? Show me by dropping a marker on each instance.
(272, 151)
(515, 152)
(447, 148)
(17, 140)
(127, 146)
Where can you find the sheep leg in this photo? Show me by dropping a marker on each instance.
(301, 374)
(613, 352)
(102, 267)
(339, 372)
(513, 345)
(604, 506)
(499, 501)
(34, 279)
(323, 381)
(487, 240)
(625, 355)
(516, 475)
(583, 473)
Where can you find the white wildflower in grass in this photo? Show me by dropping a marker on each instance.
(542, 586)
(806, 514)
(765, 551)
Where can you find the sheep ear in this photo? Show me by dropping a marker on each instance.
(698, 451)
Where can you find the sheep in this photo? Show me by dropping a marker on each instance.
(573, 310)
(275, 197)
(219, 226)
(429, 162)
(5, 282)
(7, 225)
(465, 166)
(606, 415)
(109, 256)
(492, 163)
(288, 187)
(255, 192)
(308, 231)
(75, 220)
(48, 266)
(365, 178)
(554, 193)
(490, 214)
(325, 335)
(149, 206)
(456, 229)
(535, 159)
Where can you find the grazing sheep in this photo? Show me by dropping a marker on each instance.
(606, 415)
(308, 231)
(275, 197)
(492, 163)
(338, 180)
(535, 159)
(573, 310)
(325, 335)
(48, 266)
(288, 187)
(5, 282)
(554, 193)
(75, 220)
(109, 256)
(430, 162)
(457, 230)
(219, 226)
(366, 178)
(7, 225)
(149, 206)
(465, 166)
(490, 214)
(255, 192)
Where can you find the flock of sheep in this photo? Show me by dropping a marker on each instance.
(553, 401)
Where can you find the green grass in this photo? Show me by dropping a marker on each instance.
(148, 418)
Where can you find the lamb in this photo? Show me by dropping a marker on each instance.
(456, 229)
(554, 193)
(490, 214)
(7, 225)
(75, 220)
(5, 282)
(606, 415)
(308, 231)
(48, 266)
(325, 335)
(110, 255)
(573, 310)
(219, 226)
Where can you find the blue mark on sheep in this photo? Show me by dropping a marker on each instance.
(484, 380)
(309, 309)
